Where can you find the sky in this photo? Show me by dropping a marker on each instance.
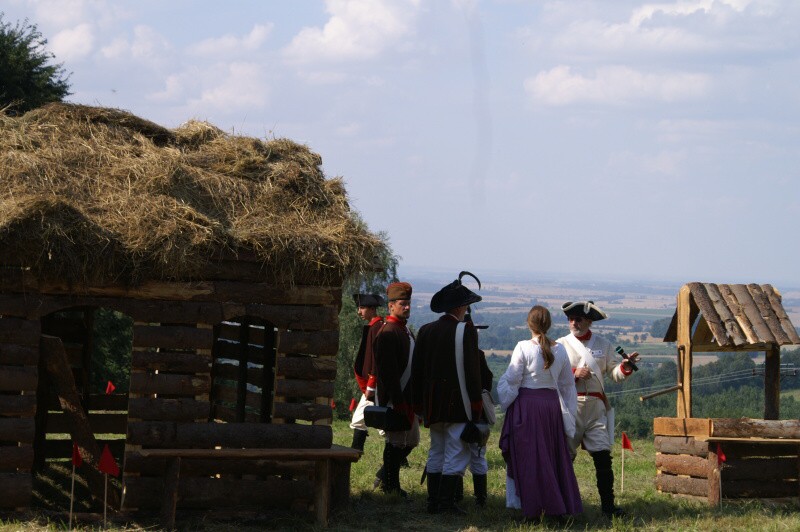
(613, 139)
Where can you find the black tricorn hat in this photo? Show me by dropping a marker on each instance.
(368, 300)
(455, 295)
(585, 309)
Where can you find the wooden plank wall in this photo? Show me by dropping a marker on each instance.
(19, 378)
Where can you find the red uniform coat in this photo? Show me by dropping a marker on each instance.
(391, 348)
(364, 366)
(437, 393)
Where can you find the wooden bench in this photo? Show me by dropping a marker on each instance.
(331, 472)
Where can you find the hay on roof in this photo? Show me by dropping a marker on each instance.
(92, 195)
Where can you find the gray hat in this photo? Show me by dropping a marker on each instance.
(584, 309)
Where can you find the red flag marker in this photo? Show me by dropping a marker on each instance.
(352, 404)
(333, 404)
(626, 443)
(107, 463)
(110, 388)
(720, 455)
(77, 459)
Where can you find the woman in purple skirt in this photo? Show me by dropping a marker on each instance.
(539, 475)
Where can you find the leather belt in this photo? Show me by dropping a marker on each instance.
(593, 394)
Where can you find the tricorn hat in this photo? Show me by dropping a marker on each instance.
(368, 300)
(585, 309)
(455, 295)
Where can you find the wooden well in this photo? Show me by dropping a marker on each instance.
(728, 458)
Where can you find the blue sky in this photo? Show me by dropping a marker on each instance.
(602, 139)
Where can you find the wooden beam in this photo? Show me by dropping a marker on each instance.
(55, 360)
(768, 314)
(13, 458)
(755, 428)
(750, 309)
(168, 383)
(671, 426)
(209, 435)
(684, 340)
(772, 382)
(682, 464)
(15, 490)
(738, 313)
(682, 485)
(680, 445)
(18, 405)
(786, 324)
(19, 355)
(734, 332)
(19, 378)
(711, 318)
(172, 337)
(164, 409)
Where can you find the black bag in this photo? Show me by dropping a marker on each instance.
(384, 418)
(476, 433)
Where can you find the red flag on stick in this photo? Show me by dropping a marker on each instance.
(333, 403)
(720, 455)
(107, 463)
(77, 460)
(110, 388)
(352, 404)
(626, 443)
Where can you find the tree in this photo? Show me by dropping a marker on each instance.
(350, 324)
(28, 79)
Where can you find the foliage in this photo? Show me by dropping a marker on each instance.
(28, 79)
(659, 327)
(111, 350)
(350, 325)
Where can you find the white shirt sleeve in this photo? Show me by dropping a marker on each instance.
(508, 385)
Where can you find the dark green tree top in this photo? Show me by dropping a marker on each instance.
(28, 78)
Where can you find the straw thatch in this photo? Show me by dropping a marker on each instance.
(95, 195)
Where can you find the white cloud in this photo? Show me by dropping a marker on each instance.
(357, 30)
(72, 44)
(231, 43)
(614, 85)
(147, 47)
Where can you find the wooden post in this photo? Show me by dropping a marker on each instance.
(322, 489)
(714, 479)
(772, 382)
(684, 339)
(169, 504)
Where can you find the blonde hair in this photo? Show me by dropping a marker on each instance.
(539, 323)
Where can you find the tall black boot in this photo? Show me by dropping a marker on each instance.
(434, 481)
(391, 470)
(458, 493)
(447, 488)
(479, 485)
(359, 437)
(605, 484)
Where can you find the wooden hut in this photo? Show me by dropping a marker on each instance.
(725, 457)
(228, 254)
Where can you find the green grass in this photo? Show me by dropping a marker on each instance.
(372, 510)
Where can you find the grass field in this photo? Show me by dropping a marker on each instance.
(371, 510)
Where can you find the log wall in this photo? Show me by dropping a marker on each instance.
(752, 468)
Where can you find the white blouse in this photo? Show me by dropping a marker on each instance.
(526, 370)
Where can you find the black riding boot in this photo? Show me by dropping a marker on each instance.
(479, 485)
(434, 481)
(447, 490)
(458, 494)
(605, 484)
(391, 470)
(359, 437)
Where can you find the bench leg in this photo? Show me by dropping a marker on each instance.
(322, 490)
(170, 502)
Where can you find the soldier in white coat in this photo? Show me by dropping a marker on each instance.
(592, 359)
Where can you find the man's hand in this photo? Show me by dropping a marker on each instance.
(582, 373)
(633, 357)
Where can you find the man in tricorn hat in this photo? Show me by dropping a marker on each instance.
(393, 348)
(592, 359)
(447, 390)
(364, 366)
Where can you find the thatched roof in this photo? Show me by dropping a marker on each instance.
(95, 195)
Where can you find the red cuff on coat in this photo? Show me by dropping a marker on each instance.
(625, 369)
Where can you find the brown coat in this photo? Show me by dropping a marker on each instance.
(437, 393)
(391, 348)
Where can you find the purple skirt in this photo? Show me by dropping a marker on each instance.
(535, 449)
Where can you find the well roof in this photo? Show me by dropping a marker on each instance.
(96, 195)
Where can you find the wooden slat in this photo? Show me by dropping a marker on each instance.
(172, 337)
(228, 394)
(14, 429)
(19, 331)
(748, 305)
(736, 448)
(336, 452)
(18, 378)
(768, 314)
(303, 411)
(13, 458)
(230, 415)
(709, 313)
(15, 490)
(198, 467)
(687, 312)
(207, 435)
(732, 328)
(311, 343)
(171, 362)
(166, 383)
(772, 382)
(680, 445)
(775, 301)
(737, 309)
(683, 485)
(297, 317)
(303, 388)
(255, 376)
(758, 428)
(773, 468)
(682, 464)
(306, 367)
(232, 350)
(100, 423)
(232, 331)
(18, 405)
(19, 355)
(97, 401)
(758, 488)
(162, 409)
(63, 448)
(671, 426)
